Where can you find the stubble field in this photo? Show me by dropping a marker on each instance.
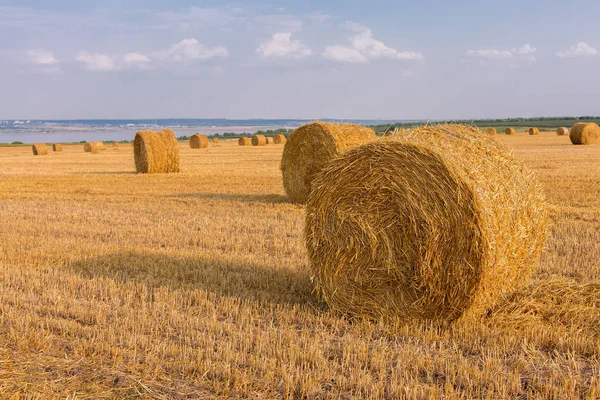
(196, 285)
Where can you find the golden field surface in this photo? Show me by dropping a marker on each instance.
(196, 285)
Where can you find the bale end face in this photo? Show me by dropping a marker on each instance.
(585, 133)
(198, 141)
(156, 152)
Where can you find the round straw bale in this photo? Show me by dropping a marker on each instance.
(259, 140)
(115, 145)
(310, 148)
(39, 149)
(198, 141)
(534, 131)
(491, 131)
(215, 140)
(585, 133)
(57, 147)
(269, 140)
(437, 224)
(562, 131)
(244, 141)
(91, 147)
(279, 139)
(156, 152)
(510, 131)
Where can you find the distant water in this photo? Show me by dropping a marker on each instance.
(34, 131)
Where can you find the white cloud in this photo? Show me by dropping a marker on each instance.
(365, 48)
(42, 57)
(96, 61)
(581, 49)
(526, 51)
(281, 45)
(192, 50)
(138, 59)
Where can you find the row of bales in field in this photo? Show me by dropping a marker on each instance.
(262, 140)
(433, 223)
(581, 133)
(40, 149)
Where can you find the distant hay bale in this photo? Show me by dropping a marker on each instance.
(244, 141)
(491, 131)
(115, 145)
(259, 140)
(39, 149)
(215, 140)
(562, 131)
(534, 131)
(100, 145)
(585, 133)
(198, 141)
(437, 224)
(310, 148)
(279, 139)
(56, 147)
(91, 147)
(269, 140)
(156, 152)
(510, 131)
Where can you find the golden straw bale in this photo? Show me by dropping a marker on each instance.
(269, 140)
(279, 139)
(198, 141)
(585, 133)
(57, 147)
(244, 141)
(562, 131)
(310, 148)
(259, 140)
(156, 152)
(510, 131)
(491, 131)
(91, 147)
(534, 131)
(115, 145)
(437, 224)
(39, 149)
(215, 140)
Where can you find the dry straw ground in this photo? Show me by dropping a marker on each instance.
(114, 285)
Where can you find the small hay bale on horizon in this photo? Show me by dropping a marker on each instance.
(91, 147)
(534, 131)
(585, 133)
(259, 140)
(39, 149)
(156, 152)
(56, 147)
(437, 224)
(562, 131)
(116, 145)
(198, 141)
(491, 131)
(244, 141)
(215, 140)
(279, 139)
(311, 147)
(510, 131)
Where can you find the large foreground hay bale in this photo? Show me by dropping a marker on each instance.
(91, 147)
(437, 224)
(39, 149)
(279, 139)
(215, 140)
(534, 131)
(510, 131)
(585, 133)
(310, 148)
(56, 147)
(156, 152)
(562, 131)
(259, 140)
(198, 141)
(491, 131)
(244, 141)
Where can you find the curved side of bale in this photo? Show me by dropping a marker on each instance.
(585, 133)
(510, 131)
(491, 131)
(268, 140)
(437, 224)
(198, 141)
(259, 140)
(56, 147)
(156, 152)
(279, 139)
(91, 147)
(534, 131)
(39, 149)
(244, 141)
(215, 140)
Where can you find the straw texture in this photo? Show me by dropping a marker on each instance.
(437, 224)
(39, 149)
(585, 133)
(310, 148)
(156, 152)
(198, 141)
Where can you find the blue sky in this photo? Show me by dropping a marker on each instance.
(433, 59)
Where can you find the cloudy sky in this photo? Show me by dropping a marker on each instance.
(67, 59)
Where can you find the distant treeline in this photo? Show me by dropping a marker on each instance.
(545, 123)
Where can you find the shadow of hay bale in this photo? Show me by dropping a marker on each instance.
(222, 277)
(244, 198)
